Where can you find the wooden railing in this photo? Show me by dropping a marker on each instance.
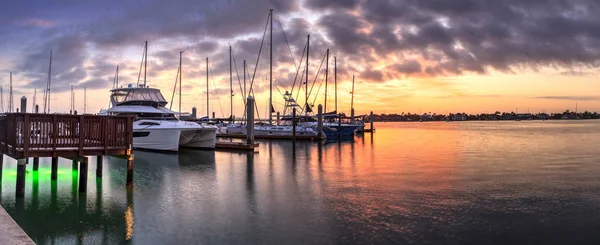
(24, 134)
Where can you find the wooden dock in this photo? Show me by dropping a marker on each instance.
(74, 137)
(237, 146)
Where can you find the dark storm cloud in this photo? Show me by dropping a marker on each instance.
(408, 67)
(472, 35)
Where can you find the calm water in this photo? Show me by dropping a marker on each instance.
(423, 183)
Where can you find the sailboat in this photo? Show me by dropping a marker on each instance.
(269, 130)
(157, 127)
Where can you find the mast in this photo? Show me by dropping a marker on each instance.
(352, 100)
(49, 81)
(230, 88)
(180, 77)
(306, 92)
(10, 95)
(326, 75)
(145, 61)
(1, 99)
(335, 79)
(244, 81)
(271, 68)
(207, 110)
(116, 79)
(84, 100)
(72, 100)
(33, 102)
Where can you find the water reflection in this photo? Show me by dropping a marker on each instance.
(419, 183)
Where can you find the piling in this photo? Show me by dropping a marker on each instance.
(75, 163)
(21, 169)
(294, 124)
(372, 117)
(320, 121)
(37, 109)
(213, 115)
(36, 163)
(352, 115)
(83, 174)
(250, 120)
(99, 166)
(24, 104)
(54, 170)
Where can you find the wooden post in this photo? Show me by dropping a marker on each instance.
(36, 163)
(294, 124)
(54, 171)
(99, 166)
(83, 174)
(250, 120)
(371, 116)
(21, 169)
(75, 165)
(278, 118)
(320, 121)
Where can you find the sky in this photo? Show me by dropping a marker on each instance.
(439, 56)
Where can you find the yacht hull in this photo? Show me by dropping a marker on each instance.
(157, 139)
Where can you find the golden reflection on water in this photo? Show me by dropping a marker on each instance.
(128, 223)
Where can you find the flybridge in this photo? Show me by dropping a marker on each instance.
(137, 96)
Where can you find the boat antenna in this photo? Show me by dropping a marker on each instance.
(10, 95)
(84, 100)
(1, 100)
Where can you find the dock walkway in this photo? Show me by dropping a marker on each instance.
(10, 232)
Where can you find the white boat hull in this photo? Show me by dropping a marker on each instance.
(170, 135)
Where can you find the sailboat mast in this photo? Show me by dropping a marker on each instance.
(326, 75)
(306, 89)
(207, 110)
(230, 87)
(10, 95)
(145, 61)
(180, 77)
(84, 100)
(244, 81)
(72, 100)
(335, 80)
(1, 100)
(49, 81)
(33, 102)
(271, 68)
(352, 100)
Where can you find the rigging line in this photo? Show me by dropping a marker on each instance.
(301, 87)
(316, 76)
(259, 52)
(217, 92)
(298, 70)
(319, 89)
(174, 88)
(239, 81)
(140, 73)
(286, 42)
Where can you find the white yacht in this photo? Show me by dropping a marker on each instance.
(156, 127)
(273, 131)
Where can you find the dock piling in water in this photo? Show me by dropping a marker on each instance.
(371, 119)
(54, 170)
(99, 166)
(36, 163)
(21, 169)
(75, 163)
(1, 166)
(83, 174)
(250, 120)
(320, 121)
(129, 167)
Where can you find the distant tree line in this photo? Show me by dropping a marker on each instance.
(496, 116)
